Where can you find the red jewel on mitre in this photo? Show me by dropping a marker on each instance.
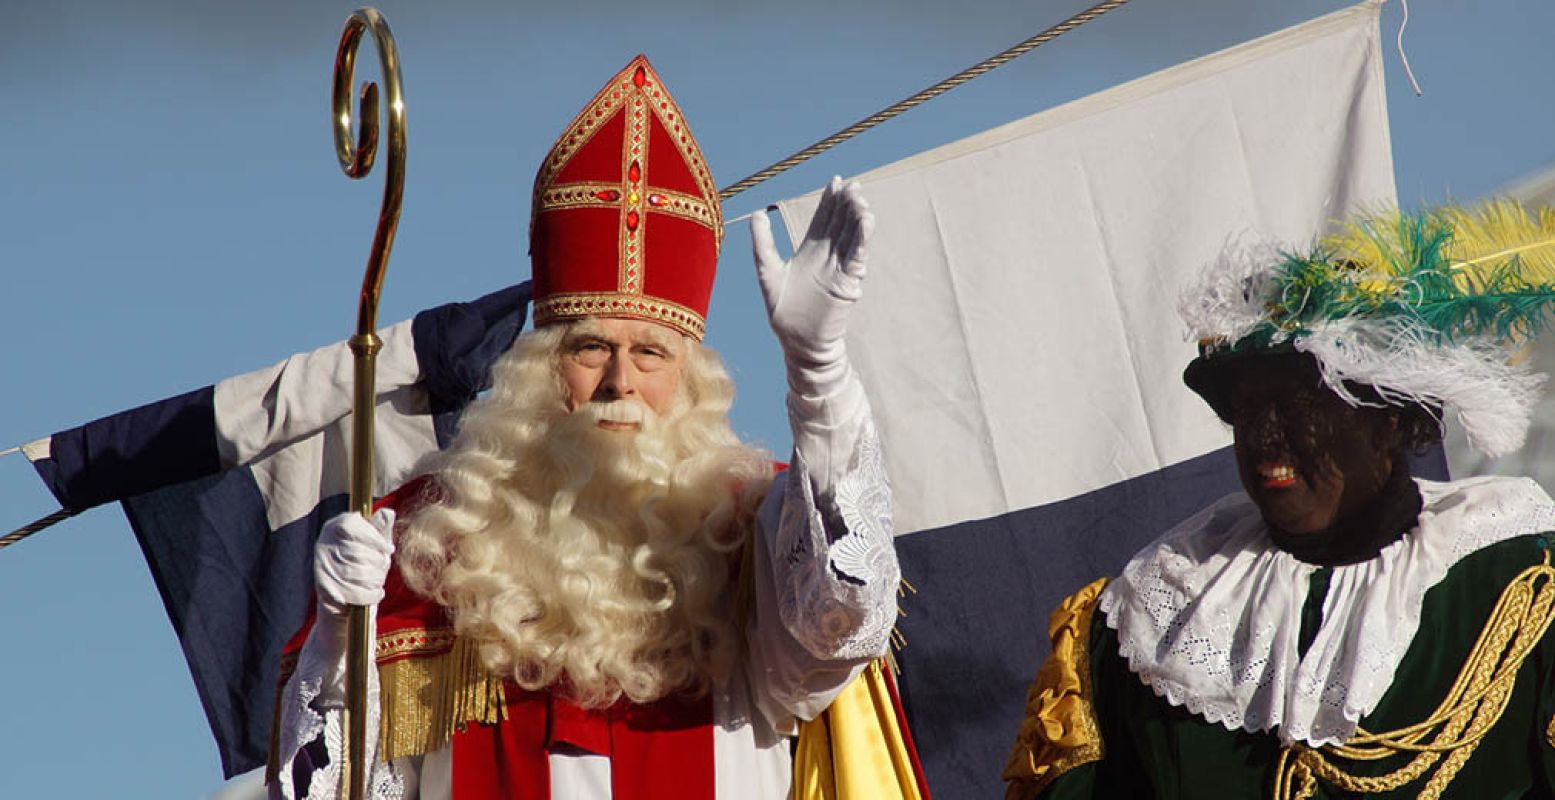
(625, 220)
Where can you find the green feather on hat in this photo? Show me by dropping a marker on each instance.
(1423, 308)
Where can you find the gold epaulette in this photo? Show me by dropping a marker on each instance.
(432, 685)
(1059, 731)
(1471, 708)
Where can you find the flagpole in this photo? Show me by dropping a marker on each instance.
(356, 160)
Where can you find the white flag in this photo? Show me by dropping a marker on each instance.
(1019, 337)
(1021, 347)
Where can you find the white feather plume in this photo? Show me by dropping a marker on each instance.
(1227, 299)
(1397, 357)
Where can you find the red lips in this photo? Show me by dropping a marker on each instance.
(1277, 476)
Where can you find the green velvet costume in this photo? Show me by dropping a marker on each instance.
(1095, 729)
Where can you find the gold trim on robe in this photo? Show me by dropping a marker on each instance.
(432, 684)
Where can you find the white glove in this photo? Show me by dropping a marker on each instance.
(350, 566)
(808, 302)
(808, 298)
(351, 560)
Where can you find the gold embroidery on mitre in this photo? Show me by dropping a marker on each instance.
(598, 194)
(637, 94)
(583, 194)
(1471, 708)
(634, 182)
(663, 106)
(580, 132)
(433, 688)
(606, 304)
(1059, 731)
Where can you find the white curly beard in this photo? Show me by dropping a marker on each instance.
(596, 561)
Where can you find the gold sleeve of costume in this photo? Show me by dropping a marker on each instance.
(1059, 731)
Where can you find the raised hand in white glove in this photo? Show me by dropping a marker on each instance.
(351, 560)
(809, 297)
(808, 302)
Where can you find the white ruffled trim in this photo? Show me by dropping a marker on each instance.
(311, 708)
(1210, 615)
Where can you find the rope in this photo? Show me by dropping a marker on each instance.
(918, 99)
(1401, 57)
(31, 528)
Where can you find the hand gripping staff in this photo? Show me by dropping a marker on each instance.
(356, 160)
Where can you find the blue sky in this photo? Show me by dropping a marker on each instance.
(171, 214)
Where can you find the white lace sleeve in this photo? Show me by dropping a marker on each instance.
(312, 706)
(826, 570)
(834, 561)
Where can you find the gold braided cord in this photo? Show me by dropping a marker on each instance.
(1475, 702)
(1516, 602)
(33, 527)
(1292, 779)
(920, 98)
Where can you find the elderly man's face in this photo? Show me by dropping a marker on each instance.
(606, 359)
(1307, 458)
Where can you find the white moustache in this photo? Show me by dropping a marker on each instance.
(624, 411)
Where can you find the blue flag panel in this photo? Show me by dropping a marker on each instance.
(158, 444)
(235, 591)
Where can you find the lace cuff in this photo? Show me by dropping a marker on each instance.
(312, 710)
(834, 559)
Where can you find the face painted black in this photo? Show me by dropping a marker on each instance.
(1307, 458)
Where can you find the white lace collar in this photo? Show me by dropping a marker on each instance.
(1209, 615)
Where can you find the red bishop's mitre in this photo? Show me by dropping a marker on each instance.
(626, 221)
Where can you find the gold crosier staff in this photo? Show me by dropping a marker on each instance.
(356, 160)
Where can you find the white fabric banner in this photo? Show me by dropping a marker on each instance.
(292, 423)
(1018, 336)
